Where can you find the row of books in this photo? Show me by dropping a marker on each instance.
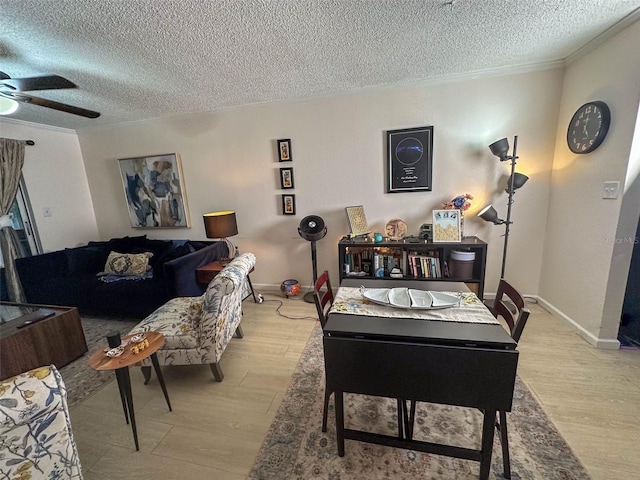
(427, 266)
(373, 263)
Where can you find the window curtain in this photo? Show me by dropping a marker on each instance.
(11, 162)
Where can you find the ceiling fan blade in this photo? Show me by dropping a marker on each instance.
(45, 82)
(42, 102)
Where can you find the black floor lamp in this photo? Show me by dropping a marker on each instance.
(516, 180)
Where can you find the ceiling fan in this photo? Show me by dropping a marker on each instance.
(13, 88)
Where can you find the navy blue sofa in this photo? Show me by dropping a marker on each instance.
(69, 277)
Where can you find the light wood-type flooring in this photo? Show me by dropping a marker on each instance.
(216, 429)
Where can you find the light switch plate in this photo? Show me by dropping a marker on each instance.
(611, 190)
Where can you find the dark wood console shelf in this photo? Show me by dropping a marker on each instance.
(359, 255)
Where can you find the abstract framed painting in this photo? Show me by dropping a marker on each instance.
(154, 191)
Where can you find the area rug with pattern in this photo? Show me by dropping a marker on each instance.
(296, 448)
(81, 380)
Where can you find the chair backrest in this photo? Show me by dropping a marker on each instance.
(516, 321)
(323, 300)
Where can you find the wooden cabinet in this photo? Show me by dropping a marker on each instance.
(415, 259)
(58, 338)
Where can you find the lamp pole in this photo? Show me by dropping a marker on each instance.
(510, 191)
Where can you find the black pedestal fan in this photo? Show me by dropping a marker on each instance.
(312, 229)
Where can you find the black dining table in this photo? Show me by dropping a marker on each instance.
(429, 360)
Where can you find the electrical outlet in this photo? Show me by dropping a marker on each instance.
(611, 190)
(46, 211)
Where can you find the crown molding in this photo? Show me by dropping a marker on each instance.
(609, 33)
(40, 126)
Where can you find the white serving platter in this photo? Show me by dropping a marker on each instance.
(410, 298)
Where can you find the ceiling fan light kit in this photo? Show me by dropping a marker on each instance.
(11, 92)
(7, 106)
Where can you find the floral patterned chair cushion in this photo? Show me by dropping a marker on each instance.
(198, 329)
(36, 441)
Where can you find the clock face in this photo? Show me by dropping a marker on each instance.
(588, 127)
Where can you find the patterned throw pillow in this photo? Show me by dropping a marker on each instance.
(127, 263)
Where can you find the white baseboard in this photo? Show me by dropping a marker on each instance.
(602, 343)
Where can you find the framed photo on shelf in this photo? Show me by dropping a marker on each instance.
(284, 150)
(154, 191)
(409, 159)
(357, 221)
(286, 177)
(288, 204)
(446, 226)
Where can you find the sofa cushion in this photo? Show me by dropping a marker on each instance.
(127, 263)
(86, 259)
(126, 244)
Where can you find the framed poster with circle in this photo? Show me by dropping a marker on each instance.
(409, 157)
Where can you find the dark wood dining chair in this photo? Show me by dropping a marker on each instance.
(323, 301)
(515, 319)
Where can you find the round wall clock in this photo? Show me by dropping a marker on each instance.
(588, 127)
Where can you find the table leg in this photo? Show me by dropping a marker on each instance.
(126, 382)
(156, 366)
(252, 290)
(487, 443)
(339, 407)
(123, 397)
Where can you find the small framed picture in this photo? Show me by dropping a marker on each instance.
(286, 177)
(288, 204)
(284, 150)
(446, 226)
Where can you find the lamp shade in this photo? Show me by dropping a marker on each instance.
(519, 179)
(489, 214)
(500, 148)
(220, 224)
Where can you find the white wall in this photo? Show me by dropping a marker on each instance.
(229, 162)
(55, 177)
(586, 259)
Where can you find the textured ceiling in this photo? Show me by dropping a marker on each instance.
(141, 59)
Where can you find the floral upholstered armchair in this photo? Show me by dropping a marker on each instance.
(198, 329)
(36, 441)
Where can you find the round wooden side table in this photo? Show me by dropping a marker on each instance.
(100, 361)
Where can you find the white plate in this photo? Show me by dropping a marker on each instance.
(399, 297)
(377, 295)
(420, 298)
(137, 338)
(410, 298)
(115, 352)
(443, 300)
